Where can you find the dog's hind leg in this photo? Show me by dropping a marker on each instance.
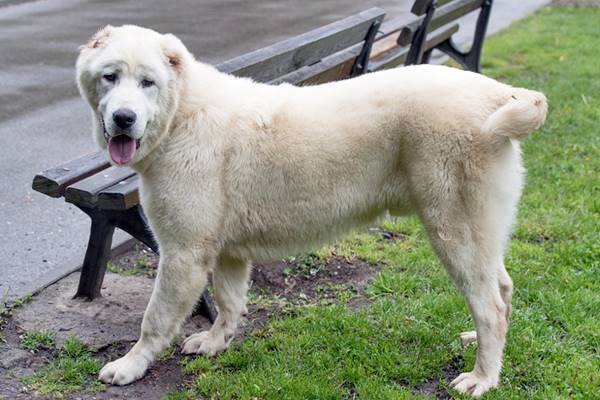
(181, 276)
(470, 245)
(230, 283)
(476, 274)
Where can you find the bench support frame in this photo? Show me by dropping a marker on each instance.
(415, 53)
(134, 222)
(470, 60)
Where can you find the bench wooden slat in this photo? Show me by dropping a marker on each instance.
(85, 192)
(272, 62)
(121, 196)
(331, 68)
(442, 16)
(398, 55)
(54, 181)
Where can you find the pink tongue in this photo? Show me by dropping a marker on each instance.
(121, 149)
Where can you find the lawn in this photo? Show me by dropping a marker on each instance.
(407, 337)
(401, 341)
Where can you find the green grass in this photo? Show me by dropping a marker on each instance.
(408, 335)
(36, 340)
(74, 370)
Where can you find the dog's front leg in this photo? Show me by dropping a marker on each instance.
(230, 282)
(181, 278)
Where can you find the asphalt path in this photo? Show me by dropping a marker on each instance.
(43, 122)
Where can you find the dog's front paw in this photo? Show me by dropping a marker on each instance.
(471, 383)
(205, 343)
(124, 370)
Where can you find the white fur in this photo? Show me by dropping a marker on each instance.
(233, 170)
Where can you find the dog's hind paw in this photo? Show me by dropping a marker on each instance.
(468, 337)
(124, 370)
(205, 343)
(470, 383)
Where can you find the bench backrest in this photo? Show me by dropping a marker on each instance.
(275, 61)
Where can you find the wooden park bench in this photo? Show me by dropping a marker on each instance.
(352, 46)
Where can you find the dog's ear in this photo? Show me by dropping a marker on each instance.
(176, 54)
(99, 39)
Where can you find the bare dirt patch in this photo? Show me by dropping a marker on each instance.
(278, 286)
(300, 283)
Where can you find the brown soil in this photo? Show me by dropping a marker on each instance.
(301, 284)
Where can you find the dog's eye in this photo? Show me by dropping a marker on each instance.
(109, 77)
(147, 83)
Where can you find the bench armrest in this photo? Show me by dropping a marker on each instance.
(54, 181)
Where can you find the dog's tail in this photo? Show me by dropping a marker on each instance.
(523, 113)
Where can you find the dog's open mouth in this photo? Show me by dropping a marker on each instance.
(122, 148)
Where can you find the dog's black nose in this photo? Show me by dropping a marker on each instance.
(124, 118)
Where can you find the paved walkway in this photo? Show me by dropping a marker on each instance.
(43, 122)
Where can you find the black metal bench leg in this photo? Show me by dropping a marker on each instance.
(96, 256)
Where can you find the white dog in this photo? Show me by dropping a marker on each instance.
(233, 170)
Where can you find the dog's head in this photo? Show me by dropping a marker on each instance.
(131, 77)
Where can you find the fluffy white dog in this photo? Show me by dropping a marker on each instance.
(233, 170)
